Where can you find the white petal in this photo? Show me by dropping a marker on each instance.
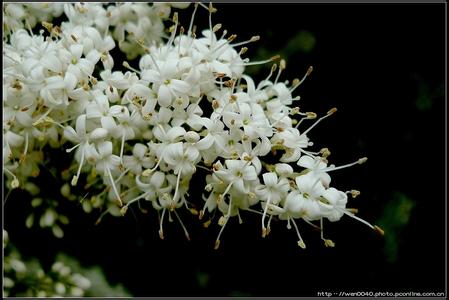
(52, 63)
(76, 50)
(70, 81)
(81, 125)
(105, 148)
(174, 154)
(157, 179)
(306, 162)
(270, 179)
(175, 133)
(180, 86)
(164, 96)
(205, 143)
(98, 133)
(139, 150)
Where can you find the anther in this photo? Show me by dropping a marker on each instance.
(311, 115)
(216, 27)
(362, 160)
(123, 210)
(254, 38)
(282, 64)
(48, 26)
(379, 230)
(329, 243)
(309, 71)
(301, 244)
(207, 223)
(354, 193)
(331, 111)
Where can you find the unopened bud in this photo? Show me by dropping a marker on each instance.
(15, 183)
(217, 244)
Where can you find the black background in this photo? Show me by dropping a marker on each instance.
(370, 61)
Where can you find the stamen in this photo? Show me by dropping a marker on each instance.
(177, 186)
(359, 161)
(358, 219)
(295, 85)
(114, 187)
(15, 181)
(282, 66)
(134, 200)
(172, 37)
(300, 241)
(41, 119)
(101, 217)
(121, 175)
(327, 242)
(126, 65)
(264, 229)
(192, 19)
(329, 113)
(75, 178)
(274, 58)
(73, 148)
(183, 227)
(25, 151)
(251, 40)
(122, 146)
(379, 230)
(226, 219)
(161, 230)
(240, 218)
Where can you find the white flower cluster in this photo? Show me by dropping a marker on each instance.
(147, 130)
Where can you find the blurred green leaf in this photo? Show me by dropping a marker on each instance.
(396, 216)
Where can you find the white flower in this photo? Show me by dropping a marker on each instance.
(165, 83)
(236, 173)
(139, 160)
(105, 162)
(273, 191)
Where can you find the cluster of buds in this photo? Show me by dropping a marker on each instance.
(141, 133)
(28, 278)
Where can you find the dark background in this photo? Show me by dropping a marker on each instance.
(382, 66)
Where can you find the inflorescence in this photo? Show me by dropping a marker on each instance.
(142, 133)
